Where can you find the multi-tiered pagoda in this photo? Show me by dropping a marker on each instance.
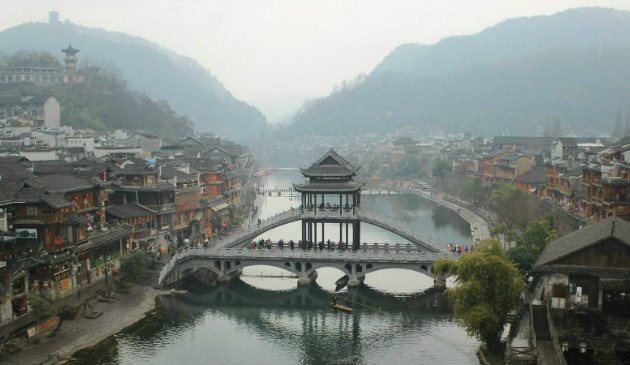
(330, 196)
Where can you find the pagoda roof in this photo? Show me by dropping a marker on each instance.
(330, 164)
(70, 49)
(328, 187)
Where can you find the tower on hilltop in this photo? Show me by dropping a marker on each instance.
(70, 59)
(53, 17)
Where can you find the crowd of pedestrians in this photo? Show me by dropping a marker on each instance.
(300, 245)
(458, 248)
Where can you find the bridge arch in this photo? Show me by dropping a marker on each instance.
(422, 240)
(304, 264)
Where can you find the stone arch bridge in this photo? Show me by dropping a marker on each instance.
(424, 241)
(227, 263)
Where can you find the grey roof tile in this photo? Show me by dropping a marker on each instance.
(613, 227)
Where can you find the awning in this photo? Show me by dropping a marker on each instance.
(198, 216)
(219, 207)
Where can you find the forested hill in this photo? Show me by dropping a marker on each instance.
(510, 78)
(106, 103)
(189, 88)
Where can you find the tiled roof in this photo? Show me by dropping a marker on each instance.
(29, 195)
(511, 156)
(8, 190)
(12, 169)
(613, 227)
(404, 140)
(537, 175)
(59, 183)
(129, 210)
(330, 164)
(169, 172)
(52, 167)
(137, 169)
(56, 201)
(74, 218)
(530, 141)
(497, 153)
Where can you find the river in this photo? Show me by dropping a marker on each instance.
(264, 318)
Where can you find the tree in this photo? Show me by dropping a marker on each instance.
(507, 201)
(471, 189)
(523, 257)
(133, 265)
(408, 166)
(510, 235)
(530, 244)
(488, 287)
(440, 166)
(537, 235)
(40, 307)
(32, 59)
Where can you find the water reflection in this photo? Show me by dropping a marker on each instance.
(245, 324)
(268, 320)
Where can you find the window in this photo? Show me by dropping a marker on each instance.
(32, 211)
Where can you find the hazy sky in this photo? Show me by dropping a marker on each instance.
(274, 54)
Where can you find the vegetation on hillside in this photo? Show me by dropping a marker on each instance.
(158, 73)
(515, 78)
(104, 103)
(30, 59)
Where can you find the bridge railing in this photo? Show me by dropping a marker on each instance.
(375, 252)
(252, 231)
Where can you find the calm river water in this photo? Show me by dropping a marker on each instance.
(264, 318)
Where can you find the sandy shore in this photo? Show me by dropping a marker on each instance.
(80, 333)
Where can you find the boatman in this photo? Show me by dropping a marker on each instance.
(334, 300)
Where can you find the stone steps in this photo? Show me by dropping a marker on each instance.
(541, 325)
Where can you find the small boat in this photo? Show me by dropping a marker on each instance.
(342, 281)
(341, 307)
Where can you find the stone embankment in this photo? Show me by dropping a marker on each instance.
(82, 332)
(480, 220)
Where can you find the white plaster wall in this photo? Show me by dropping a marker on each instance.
(52, 113)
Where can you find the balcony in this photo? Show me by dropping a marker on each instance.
(28, 219)
(162, 208)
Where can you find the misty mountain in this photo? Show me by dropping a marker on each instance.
(510, 78)
(188, 87)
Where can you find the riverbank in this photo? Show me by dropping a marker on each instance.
(82, 332)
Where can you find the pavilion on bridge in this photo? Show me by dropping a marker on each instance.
(330, 196)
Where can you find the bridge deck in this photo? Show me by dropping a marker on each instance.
(369, 255)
